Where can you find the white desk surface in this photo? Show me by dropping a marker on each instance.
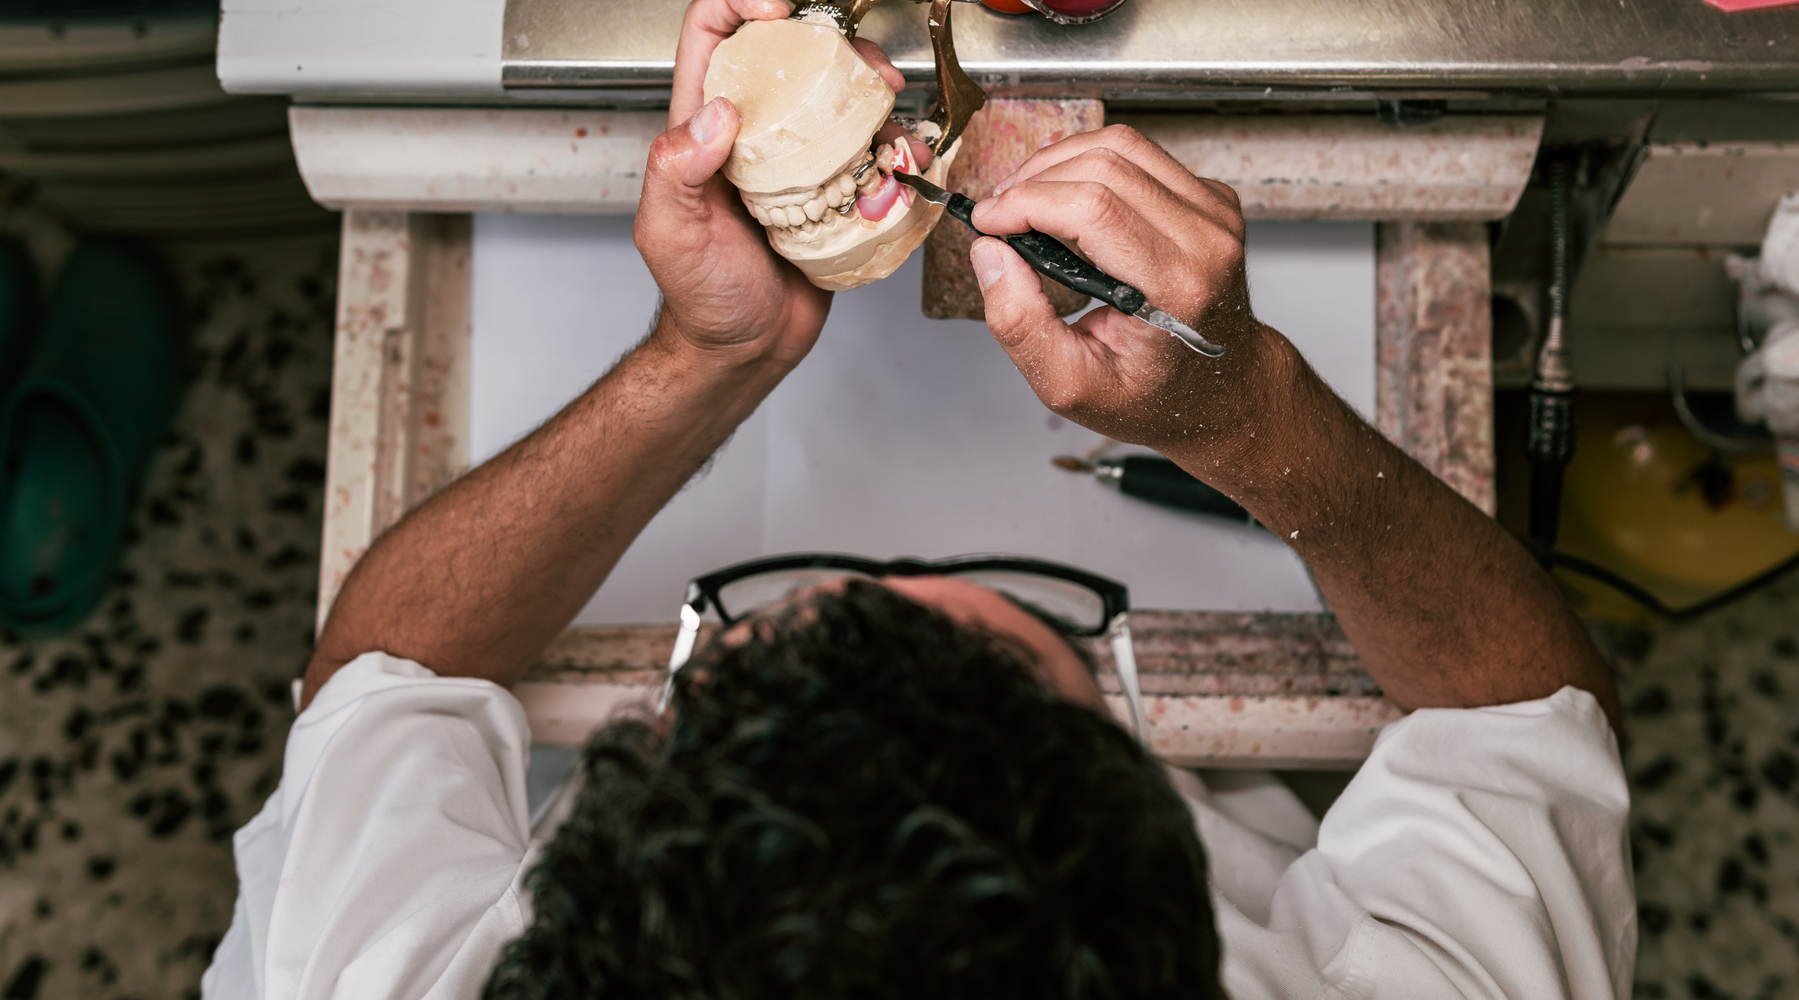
(899, 435)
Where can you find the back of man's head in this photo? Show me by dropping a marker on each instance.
(865, 798)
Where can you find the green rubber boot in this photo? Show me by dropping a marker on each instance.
(78, 432)
(18, 312)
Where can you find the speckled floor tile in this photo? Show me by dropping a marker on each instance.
(1712, 751)
(131, 749)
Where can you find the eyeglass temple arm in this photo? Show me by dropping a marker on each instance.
(684, 640)
(1124, 660)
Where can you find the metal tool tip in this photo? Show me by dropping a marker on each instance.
(1071, 463)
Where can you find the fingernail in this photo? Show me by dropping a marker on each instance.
(706, 122)
(1000, 188)
(988, 264)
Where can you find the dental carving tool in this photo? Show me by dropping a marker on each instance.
(1047, 254)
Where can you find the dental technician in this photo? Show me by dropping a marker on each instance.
(908, 784)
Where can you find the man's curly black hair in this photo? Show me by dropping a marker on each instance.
(866, 798)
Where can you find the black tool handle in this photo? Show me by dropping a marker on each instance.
(1047, 254)
(1160, 481)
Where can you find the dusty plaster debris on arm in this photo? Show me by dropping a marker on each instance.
(1452, 611)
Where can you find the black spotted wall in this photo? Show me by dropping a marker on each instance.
(132, 749)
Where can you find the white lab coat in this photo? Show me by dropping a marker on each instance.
(1479, 853)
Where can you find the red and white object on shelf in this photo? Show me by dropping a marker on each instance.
(1736, 5)
(1061, 11)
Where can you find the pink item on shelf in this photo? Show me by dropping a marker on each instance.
(1735, 5)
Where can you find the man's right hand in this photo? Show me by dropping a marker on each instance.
(726, 294)
(1396, 552)
(1141, 216)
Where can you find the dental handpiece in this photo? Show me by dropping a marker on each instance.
(1158, 481)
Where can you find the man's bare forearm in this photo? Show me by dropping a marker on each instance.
(1444, 608)
(475, 581)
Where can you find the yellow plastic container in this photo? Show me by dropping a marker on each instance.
(1646, 499)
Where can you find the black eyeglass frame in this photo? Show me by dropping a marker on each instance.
(703, 593)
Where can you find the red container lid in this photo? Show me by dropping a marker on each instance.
(1080, 8)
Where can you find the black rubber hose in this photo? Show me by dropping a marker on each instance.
(1546, 475)
(1594, 571)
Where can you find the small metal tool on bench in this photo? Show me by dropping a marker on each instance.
(1047, 254)
(1159, 481)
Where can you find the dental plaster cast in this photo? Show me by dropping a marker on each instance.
(805, 160)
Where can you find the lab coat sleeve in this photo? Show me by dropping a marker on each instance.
(1491, 841)
(388, 861)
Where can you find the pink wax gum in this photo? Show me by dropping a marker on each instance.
(875, 207)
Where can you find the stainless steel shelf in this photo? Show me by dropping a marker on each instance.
(1155, 48)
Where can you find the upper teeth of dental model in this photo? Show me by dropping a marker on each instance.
(805, 161)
